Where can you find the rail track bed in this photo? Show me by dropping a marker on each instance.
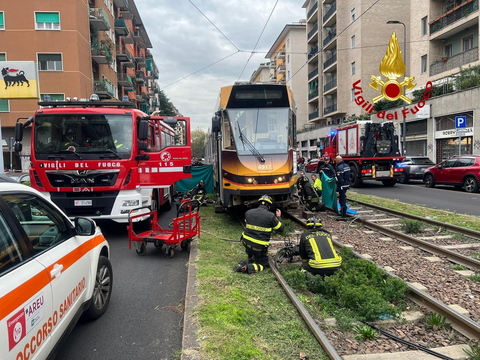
(427, 261)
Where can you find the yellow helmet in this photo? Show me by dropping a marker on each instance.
(314, 222)
(266, 198)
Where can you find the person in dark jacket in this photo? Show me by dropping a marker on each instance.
(326, 167)
(343, 183)
(260, 223)
(302, 180)
(316, 250)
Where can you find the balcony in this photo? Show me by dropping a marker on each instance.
(313, 94)
(137, 36)
(140, 77)
(330, 61)
(126, 13)
(123, 54)
(280, 55)
(330, 85)
(313, 52)
(330, 109)
(313, 115)
(330, 12)
(312, 10)
(313, 74)
(457, 13)
(99, 19)
(103, 88)
(141, 98)
(456, 61)
(140, 59)
(123, 79)
(331, 35)
(121, 27)
(281, 69)
(313, 31)
(121, 3)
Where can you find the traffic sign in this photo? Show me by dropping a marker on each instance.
(460, 122)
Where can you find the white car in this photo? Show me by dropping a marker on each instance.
(52, 272)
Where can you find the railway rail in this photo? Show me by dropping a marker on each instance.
(463, 324)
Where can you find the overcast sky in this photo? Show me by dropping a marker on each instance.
(195, 59)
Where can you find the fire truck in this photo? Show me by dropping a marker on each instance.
(104, 159)
(370, 149)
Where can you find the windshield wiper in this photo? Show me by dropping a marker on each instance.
(250, 146)
(67, 152)
(107, 153)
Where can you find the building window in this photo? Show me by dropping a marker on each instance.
(352, 14)
(47, 21)
(468, 43)
(423, 64)
(288, 59)
(53, 97)
(424, 26)
(353, 68)
(50, 62)
(448, 50)
(353, 95)
(353, 41)
(2, 20)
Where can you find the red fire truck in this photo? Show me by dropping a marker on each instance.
(104, 159)
(370, 149)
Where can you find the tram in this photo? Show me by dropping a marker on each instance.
(252, 144)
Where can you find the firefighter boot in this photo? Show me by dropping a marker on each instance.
(241, 267)
(254, 268)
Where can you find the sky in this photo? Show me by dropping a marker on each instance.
(201, 45)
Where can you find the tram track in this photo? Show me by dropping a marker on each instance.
(460, 322)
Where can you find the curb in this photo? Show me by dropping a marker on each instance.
(190, 345)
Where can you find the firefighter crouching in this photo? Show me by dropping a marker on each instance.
(260, 223)
(316, 250)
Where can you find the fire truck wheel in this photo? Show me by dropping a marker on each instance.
(142, 249)
(355, 179)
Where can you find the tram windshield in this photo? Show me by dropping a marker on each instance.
(83, 136)
(264, 129)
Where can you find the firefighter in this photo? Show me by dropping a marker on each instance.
(260, 222)
(311, 198)
(199, 193)
(317, 184)
(302, 180)
(316, 250)
(343, 183)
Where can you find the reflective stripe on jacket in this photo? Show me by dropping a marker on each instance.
(260, 224)
(316, 246)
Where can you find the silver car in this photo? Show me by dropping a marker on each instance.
(414, 167)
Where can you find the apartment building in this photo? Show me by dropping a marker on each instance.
(438, 39)
(80, 48)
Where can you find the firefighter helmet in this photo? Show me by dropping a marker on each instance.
(314, 222)
(265, 199)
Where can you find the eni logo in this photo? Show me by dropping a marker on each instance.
(392, 67)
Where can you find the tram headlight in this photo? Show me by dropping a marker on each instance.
(280, 178)
(252, 180)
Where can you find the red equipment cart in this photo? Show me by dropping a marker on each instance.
(183, 229)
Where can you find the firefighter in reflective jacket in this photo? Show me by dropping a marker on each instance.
(260, 223)
(316, 250)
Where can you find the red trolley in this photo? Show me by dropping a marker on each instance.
(183, 229)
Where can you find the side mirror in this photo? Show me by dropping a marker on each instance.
(143, 130)
(18, 131)
(84, 226)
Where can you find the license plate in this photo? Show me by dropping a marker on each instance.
(385, 173)
(83, 202)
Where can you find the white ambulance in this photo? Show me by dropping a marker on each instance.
(52, 272)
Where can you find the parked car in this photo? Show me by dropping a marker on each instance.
(52, 272)
(459, 171)
(311, 165)
(413, 168)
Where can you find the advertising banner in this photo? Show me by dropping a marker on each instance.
(19, 80)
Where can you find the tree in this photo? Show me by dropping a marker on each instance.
(198, 143)
(166, 107)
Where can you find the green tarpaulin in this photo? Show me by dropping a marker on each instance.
(329, 192)
(204, 172)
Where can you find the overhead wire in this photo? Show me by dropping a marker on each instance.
(258, 40)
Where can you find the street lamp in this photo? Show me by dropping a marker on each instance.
(404, 130)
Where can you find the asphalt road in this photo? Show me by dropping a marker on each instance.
(415, 193)
(143, 320)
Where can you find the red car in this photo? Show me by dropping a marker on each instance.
(459, 171)
(311, 166)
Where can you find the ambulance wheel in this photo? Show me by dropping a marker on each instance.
(102, 290)
(158, 244)
(142, 250)
(185, 245)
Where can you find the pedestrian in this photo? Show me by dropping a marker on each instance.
(343, 183)
(197, 162)
(260, 222)
(316, 250)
